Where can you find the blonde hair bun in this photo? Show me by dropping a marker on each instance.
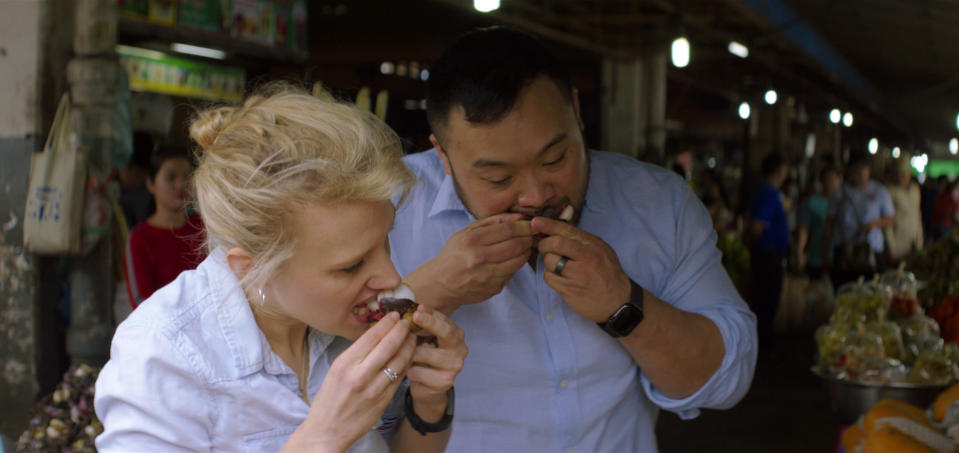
(278, 150)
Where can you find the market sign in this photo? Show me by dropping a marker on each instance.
(156, 72)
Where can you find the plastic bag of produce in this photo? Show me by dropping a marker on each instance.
(792, 304)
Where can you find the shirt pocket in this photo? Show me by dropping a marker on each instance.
(269, 440)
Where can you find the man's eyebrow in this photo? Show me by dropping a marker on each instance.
(484, 163)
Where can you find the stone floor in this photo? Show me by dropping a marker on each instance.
(785, 411)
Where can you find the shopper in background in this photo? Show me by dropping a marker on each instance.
(811, 224)
(767, 236)
(905, 235)
(135, 200)
(930, 190)
(169, 241)
(581, 331)
(857, 213)
(945, 209)
(716, 201)
(262, 347)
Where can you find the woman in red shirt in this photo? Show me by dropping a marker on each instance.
(169, 241)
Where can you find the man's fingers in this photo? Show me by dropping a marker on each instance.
(499, 232)
(505, 217)
(550, 227)
(551, 260)
(508, 249)
(562, 246)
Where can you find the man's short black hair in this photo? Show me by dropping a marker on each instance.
(485, 71)
(771, 163)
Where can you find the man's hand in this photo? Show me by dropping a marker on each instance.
(475, 264)
(593, 282)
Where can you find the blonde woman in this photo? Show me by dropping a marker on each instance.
(261, 347)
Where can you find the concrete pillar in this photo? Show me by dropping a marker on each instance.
(622, 117)
(634, 107)
(655, 100)
(92, 75)
(20, 57)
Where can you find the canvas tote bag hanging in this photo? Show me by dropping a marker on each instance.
(54, 207)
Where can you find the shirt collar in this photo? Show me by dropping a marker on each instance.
(249, 349)
(448, 200)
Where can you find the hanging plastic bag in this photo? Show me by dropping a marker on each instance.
(54, 206)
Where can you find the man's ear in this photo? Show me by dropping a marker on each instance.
(239, 261)
(579, 118)
(442, 153)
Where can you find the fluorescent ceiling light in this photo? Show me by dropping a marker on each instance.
(680, 52)
(835, 116)
(738, 49)
(140, 52)
(485, 6)
(198, 51)
(771, 97)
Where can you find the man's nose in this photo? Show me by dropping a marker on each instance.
(535, 192)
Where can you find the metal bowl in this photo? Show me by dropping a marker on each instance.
(850, 399)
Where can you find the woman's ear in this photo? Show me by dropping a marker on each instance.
(239, 261)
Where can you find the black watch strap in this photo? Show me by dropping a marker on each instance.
(622, 322)
(425, 428)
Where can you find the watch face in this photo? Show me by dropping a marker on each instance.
(625, 319)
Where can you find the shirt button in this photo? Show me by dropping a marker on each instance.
(549, 316)
(563, 384)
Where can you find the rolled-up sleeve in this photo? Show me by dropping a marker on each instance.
(149, 398)
(699, 284)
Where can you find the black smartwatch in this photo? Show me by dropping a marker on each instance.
(627, 316)
(424, 428)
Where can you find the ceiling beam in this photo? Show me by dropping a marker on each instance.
(804, 36)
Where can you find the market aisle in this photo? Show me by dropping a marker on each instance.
(785, 411)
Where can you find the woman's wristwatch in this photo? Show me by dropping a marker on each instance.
(421, 426)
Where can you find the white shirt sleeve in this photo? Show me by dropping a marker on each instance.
(148, 396)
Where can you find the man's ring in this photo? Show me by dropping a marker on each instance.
(390, 374)
(558, 270)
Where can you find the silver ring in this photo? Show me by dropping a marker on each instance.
(558, 270)
(390, 374)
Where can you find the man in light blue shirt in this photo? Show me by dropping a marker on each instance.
(857, 213)
(579, 331)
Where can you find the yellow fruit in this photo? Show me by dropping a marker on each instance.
(893, 408)
(943, 401)
(852, 437)
(890, 440)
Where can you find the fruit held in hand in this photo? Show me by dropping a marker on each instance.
(400, 299)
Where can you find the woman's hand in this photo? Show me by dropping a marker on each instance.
(435, 367)
(356, 391)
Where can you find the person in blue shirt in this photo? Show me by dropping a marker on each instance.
(579, 331)
(767, 235)
(812, 224)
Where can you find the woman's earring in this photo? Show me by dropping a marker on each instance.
(262, 296)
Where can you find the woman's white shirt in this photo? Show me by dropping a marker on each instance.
(190, 370)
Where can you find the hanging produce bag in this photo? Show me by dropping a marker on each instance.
(54, 206)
